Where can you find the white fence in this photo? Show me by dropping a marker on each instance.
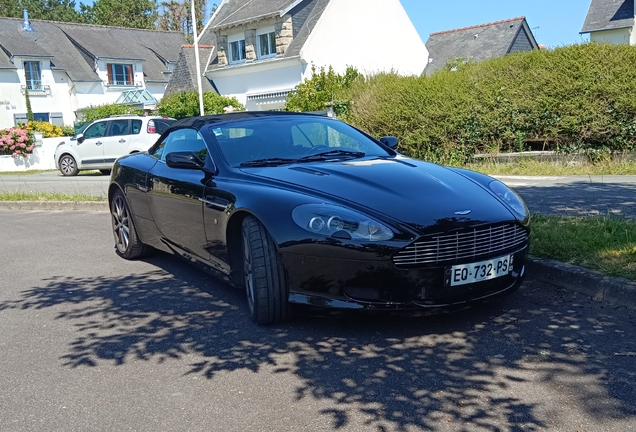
(42, 157)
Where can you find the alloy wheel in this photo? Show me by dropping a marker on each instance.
(121, 223)
(249, 276)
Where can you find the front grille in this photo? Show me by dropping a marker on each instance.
(477, 243)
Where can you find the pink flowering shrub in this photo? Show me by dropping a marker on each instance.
(16, 142)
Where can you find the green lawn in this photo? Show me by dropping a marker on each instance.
(47, 196)
(606, 244)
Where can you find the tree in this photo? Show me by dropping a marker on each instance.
(177, 16)
(123, 13)
(51, 10)
(30, 116)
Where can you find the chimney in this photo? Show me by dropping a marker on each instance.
(26, 25)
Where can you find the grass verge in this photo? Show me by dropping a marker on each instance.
(606, 244)
(535, 168)
(48, 196)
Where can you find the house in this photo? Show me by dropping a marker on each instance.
(611, 21)
(265, 48)
(67, 67)
(480, 42)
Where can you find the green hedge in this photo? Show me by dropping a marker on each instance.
(186, 104)
(573, 98)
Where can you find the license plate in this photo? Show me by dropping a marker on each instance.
(479, 271)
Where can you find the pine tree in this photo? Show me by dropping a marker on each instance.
(176, 15)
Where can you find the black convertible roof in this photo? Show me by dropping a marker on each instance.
(199, 122)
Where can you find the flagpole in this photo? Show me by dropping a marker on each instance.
(197, 60)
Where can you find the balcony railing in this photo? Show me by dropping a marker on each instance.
(37, 89)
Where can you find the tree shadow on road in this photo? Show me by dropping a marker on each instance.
(474, 370)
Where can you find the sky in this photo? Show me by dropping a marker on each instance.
(553, 22)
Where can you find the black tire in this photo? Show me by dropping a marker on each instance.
(68, 166)
(105, 172)
(265, 282)
(127, 243)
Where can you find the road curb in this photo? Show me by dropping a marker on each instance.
(599, 287)
(55, 205)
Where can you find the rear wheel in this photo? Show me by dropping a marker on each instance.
(265, 282)
(127, 242)
(105, 172)
(68, 166)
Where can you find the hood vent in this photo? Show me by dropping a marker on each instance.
(26, 25)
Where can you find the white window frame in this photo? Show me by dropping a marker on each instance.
(235, 39)
(33, 75)
(271, 36)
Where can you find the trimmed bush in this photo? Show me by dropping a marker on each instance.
(186, 104)
(96, 112)
(574, 98)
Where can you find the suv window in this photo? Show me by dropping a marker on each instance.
(96, 130)
(162, 125)
(136, 127)
(119, 127)
(181, 140)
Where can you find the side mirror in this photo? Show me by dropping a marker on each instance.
(80, 138)
(389, 141)
(185, 160)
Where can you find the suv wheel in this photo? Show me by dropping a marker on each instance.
(68, 166)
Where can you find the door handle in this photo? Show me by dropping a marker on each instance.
(122, 140)
(98, 143)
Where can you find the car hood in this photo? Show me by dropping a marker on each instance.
(417, 193)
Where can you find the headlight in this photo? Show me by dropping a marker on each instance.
(332, 220)
(510, 198)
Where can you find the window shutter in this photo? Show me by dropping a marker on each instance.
(129, 75)
(109, 69)
(57, 119)
(20, 118)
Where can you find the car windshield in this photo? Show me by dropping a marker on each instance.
(268, 141)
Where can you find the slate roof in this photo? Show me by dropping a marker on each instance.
(74, 47)
(477, 43)
(184, 75)
(609, 15)
(235, 12)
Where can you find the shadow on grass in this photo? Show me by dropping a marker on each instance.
(477, 367)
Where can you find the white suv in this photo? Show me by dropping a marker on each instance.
(104, 140)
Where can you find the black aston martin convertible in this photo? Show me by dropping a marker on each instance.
(300, 208)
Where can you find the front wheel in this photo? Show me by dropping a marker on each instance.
(105, 171)
(265, 282)
(127, 242)
(68, 166)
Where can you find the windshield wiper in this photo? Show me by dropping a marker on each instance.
(267, 162)
(331, 154)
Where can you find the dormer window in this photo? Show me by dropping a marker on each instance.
(266, 41)
(120, 74)
(237, 48)
(32, 75)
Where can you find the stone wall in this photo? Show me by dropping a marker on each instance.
(284, 35)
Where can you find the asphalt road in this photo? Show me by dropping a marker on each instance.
(91, 342)
(567, 195)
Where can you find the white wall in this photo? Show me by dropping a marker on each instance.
(371, 35)
(40, 159)
(11, 98)
(262, 78)
(616, 37)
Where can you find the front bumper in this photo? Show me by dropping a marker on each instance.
(379, 285)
